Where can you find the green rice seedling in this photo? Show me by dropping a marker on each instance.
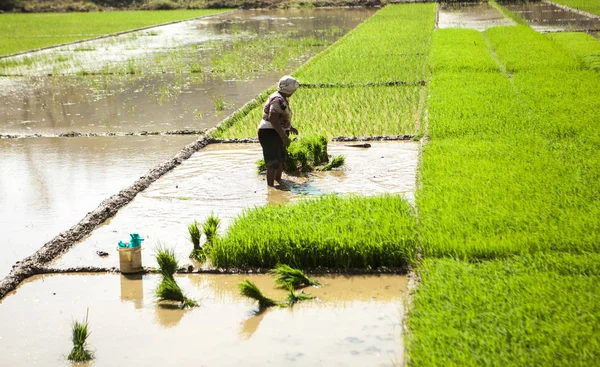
(294, 297)
(590, 6)
(581, 45)
(331, 231)
(336, 162)
(532, 310)
(23, 32)
(261, 166)
(167, 262)
(306, 153)
(80, 333)
(195, 234)
(250, 290)
(210, 227)
(457, 50)
(357, 111)
(286, 276)
(169, 290)
(219, 103)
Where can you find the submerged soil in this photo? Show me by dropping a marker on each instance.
(547, 17)
(356, 321)
(222, 179)
(474, 16)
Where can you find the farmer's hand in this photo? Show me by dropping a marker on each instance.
(286, 141)
(293, 130)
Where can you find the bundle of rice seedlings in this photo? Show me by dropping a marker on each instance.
(81, 331)
(194, 234)
(250, 290)
(167, 262)
(210, 227)
(336, 162)
(294, 297)
(286, 276)
(169, 290)
(198, 254)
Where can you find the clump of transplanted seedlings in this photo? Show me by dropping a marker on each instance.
(209, 228)
(307, 154)
(81, 332)
(168, 290)
(295, 297)
(286, 276)
(250, 290)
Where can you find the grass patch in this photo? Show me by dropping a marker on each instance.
(332, 232)
(527, 311)
(390, 46)
(581, 45)
(359, 111)
(22, 32)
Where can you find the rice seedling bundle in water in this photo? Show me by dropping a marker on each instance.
(168, 290)
(358, 111)
(250, 290)
(294, 297)
(167, 262)
(286, 276)
(210, 227)
(330, 231)
(194, 232)
(79, 335)
(535, 310)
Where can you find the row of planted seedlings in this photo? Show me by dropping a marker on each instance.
(508, 202)
(364, 100)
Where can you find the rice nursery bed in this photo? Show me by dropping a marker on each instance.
(590, 6)
(358, 111)
(580, 45)
(23, 32)
(390, 46)
(538, 310)
(328, 232)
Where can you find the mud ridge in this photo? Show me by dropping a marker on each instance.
(192, 270)
(75, 134)
(374, 138)
(34, 264)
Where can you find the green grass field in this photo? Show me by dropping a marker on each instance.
(591, 6)
(526, 311)
(22, 32)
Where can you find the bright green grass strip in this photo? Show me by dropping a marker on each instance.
(330, 231)
(484, 199)
(358, 111)
(591, 6)
(581, 45)
(474, 104)
(21, 32)
(390, 46)
(521, 48)
(566, 105)
(458, 50)
(532, 311)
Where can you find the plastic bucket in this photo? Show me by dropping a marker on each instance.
(130, 259)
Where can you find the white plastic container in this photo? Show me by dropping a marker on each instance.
(130, 259)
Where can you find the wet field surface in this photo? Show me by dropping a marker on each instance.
(472, 16)
(355, 321)
(49, 184)
(546, 17)
(222, 179)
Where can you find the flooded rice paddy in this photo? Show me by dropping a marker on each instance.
(547, 17)
(355, 321)
(48, 184)
(222, 179)
(474, 16)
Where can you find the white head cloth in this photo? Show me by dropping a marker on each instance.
(287, 85)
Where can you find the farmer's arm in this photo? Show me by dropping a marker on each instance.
(274, 120)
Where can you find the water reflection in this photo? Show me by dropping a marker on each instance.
(473, 16)
(132, 289)
(548, 17)
(250, 325)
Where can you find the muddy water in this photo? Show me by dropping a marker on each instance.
(49, 184)
(222, 179)
(473, 16)
(151, 100)
(546, 17)
(356, 321)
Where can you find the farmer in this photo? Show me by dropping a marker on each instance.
(275, 126)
